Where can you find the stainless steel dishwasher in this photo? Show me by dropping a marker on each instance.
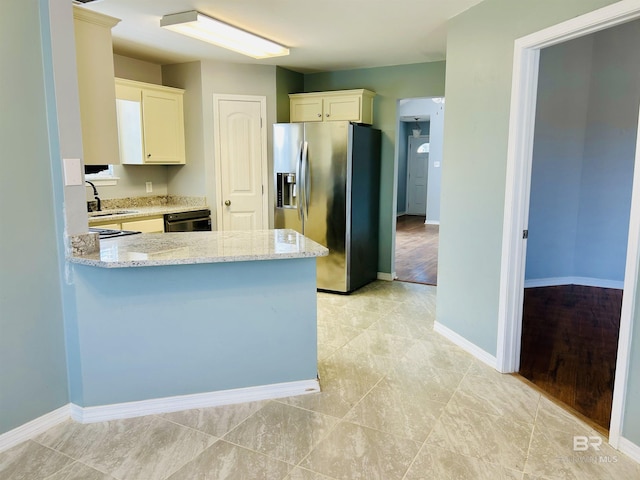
(194, 221)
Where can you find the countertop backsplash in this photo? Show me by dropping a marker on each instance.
(147, 201)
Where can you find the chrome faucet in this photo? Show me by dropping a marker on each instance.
(95, 195)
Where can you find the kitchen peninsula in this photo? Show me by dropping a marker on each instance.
(181, 320)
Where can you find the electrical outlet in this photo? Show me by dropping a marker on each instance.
(149, 187)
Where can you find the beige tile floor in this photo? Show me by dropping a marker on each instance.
(398, 402)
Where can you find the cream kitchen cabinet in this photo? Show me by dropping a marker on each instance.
(352, 105)
(144, 225)
(148, 225)
(94, 60)
(150, 123)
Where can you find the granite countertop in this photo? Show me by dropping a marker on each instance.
(132, 213)
(157, 249)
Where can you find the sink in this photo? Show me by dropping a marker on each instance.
(107, 213)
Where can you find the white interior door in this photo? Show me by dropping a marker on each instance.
(417, 174)
(241, 160)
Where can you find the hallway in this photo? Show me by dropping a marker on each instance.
(416, 250)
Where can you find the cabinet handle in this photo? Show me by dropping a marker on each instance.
(148, 155)
(328, 115)
(319, 115)
(227, 202)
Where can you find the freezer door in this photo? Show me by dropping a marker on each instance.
(327, 213)
(287, 142)
(365, 195)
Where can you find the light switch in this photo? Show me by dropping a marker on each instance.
(73, 174)
(436, 164)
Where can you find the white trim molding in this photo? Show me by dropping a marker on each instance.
(34, 427)
(119, 411)
(465, 344)
(629, 296)
(102, 181)
(155, 406)
(516, 208)
(388, 277)
(583, 281)
(629, 448)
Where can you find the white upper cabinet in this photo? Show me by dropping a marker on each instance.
(94, 59)
(150, 123)
(352, 105)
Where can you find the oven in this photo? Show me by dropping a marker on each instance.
(194, 221)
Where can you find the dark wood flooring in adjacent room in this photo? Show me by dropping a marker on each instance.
(569, 345)
(416, 250)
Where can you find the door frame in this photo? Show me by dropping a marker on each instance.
(406, 207)
(516, 210)
(264, 166)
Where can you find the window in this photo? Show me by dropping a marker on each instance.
(100, 175)
(424, 148)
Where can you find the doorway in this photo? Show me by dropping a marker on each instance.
(419, 157)
(580, 198)
(241, 162)
(520, 153)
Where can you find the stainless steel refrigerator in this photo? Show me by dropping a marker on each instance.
(327, 182)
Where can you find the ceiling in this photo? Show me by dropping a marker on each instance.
(323, 35)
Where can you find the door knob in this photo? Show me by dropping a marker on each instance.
(227, 202)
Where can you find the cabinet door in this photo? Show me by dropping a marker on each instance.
(306, 109)
(94, 59)
(342, 108)
(151, 225)
(163, 127)
(129, 131)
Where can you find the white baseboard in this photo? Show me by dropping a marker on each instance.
(629, 448)
(389, 277)
(432, 222)
(34, 427)
(584, 281)
(466, 345)
(117, 411)
(154, 406)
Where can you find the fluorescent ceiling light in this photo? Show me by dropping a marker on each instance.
(196, 25)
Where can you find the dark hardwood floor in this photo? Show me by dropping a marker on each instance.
(416, 250)
(569, 345)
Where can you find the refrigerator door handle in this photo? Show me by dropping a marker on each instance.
(298, 182)
(305, 179)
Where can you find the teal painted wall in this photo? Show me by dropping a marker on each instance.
(33, 376)
(478, 89)
(287, 82)
(584, 148)
(155, 332)
(390, 84)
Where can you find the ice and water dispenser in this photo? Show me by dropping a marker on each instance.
(286, 191)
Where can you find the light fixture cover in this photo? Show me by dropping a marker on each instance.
(195, 24)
